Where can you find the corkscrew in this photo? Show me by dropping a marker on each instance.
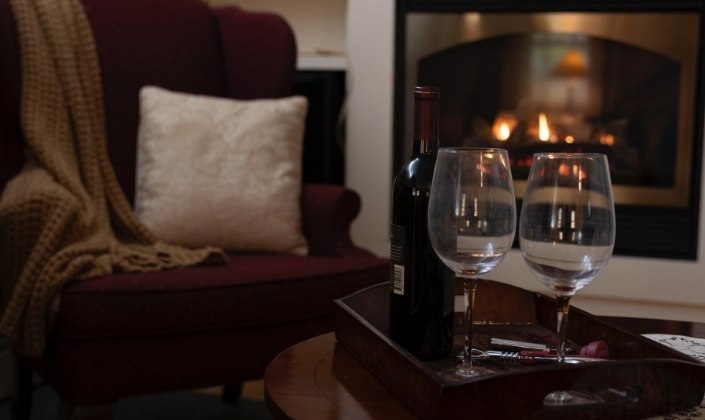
(528, 357)
(595, 349)
(516, 345)
(514, 351)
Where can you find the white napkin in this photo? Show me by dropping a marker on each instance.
(694, 347)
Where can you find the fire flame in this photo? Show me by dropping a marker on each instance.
(544, 134)
(503, 124)
(504, 132)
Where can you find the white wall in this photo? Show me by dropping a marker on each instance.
(628, 286)
(368, 153)
(319, 25)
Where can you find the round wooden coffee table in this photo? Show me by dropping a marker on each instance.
(318, 379)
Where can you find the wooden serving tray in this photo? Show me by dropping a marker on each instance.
(643, 378)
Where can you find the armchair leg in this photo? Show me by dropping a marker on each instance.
(84, 412)
(66, 410)
(21, 406)
(232, 393)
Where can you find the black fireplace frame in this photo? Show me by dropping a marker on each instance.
(642, 230)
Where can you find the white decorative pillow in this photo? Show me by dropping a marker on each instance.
(222, 172)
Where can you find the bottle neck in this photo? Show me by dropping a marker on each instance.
(425, 147)
(425, 124)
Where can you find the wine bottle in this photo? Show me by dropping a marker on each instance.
(422, 294)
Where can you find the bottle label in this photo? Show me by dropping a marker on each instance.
(397, 259)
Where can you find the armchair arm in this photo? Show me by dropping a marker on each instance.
(327, 212)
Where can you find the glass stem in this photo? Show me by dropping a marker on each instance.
(469, 286)
(563, 304)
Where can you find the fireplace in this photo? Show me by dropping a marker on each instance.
(623, 80)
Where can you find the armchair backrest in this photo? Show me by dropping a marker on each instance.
(182, 45)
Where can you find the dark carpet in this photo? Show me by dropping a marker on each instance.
(168, 406)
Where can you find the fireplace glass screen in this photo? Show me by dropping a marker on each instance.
(619, 84)
(623, 83)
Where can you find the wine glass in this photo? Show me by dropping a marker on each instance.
(567, 229)
(471, 221)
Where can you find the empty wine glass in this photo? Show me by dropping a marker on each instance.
(471, 221)
(567, 229)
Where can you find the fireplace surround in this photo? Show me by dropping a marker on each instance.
(622, 78)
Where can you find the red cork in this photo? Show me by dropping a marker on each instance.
(426, 113)
(596, 349)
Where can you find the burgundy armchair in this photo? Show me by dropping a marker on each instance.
(131, 334)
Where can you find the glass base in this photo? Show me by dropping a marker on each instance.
(471, 370)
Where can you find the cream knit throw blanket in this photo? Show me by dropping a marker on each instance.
(64, 216)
